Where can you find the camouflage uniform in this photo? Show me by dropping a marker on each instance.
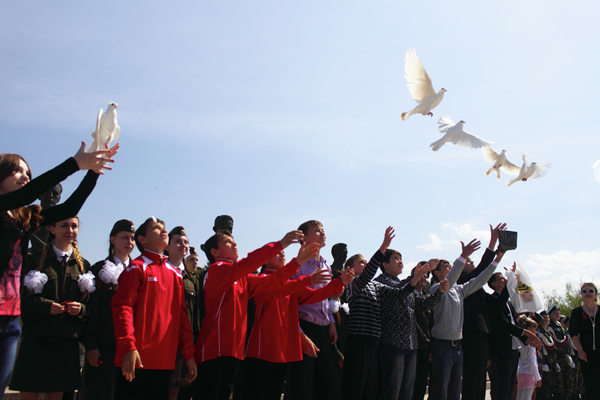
(563, 349)
(551, 378)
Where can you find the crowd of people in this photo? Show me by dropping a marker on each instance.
(160, 327)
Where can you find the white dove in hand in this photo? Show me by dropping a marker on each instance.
(500, 162)
(530, 171)
(420, 87)
(456, 135)
(107, 129)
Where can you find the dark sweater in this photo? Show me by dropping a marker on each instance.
(10, 232)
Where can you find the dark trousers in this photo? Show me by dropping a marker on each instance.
(591, 377)
(216, 378)
(475, 346)
(264, 380)
(314, 378)
(398, 369)
(423, 373)
(505, 364)
(359, 379)
(148, 384)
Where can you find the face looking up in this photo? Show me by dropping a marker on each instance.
(17, 180)
(178, 246)
(156, 238)
(315, 234)
(276, 262)
(395, 266)
(227, 249)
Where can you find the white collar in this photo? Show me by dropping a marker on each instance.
(118, 261)
(62, 254)
(180, 267)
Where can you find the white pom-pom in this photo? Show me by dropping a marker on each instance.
(35, 280)
(334, 306)
(86, 282)
(110, 272)
(346, 308)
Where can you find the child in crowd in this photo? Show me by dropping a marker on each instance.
(177, 250)
(57, 288)
(228, 286)
(448, 317)
(98, 380)
(275, 340)
(528, 375)
(316, 374)
(150, 319)
(398, 343)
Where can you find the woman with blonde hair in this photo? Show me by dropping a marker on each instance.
(586, 338)
(56, 290)
(18, 221)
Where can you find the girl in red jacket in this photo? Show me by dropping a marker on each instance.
(275, 338)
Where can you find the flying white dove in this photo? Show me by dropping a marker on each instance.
(420, 87)
(456, 135)
(500, 162)
(530, 171)
(107, 129)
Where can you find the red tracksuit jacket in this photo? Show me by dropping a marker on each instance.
(275, 335)
(227, 288)
(150, 314)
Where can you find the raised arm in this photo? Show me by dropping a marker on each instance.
(370, 270)
(459, 264)
(477, 283)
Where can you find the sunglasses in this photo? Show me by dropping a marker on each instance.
(584, 291)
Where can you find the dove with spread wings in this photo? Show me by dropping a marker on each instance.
(530, 171)
(500, 162)
(107, 129)
(454, 133)
(420, 87)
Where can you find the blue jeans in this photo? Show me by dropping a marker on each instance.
(398, 372)
(10, 331)
(447, 360)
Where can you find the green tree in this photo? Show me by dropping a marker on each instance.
(567, 301)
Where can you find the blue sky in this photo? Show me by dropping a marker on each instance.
(276, 112)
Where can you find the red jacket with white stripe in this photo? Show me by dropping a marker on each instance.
(149, 313)
(227, 288)
(275, 336)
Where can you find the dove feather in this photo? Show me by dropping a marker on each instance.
(510, 168)
(445, 123)
(538, 171)
(464, 139)
(489, 155)
(419, 82)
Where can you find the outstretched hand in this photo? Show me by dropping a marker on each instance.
(470, 248)
(307, 253)
(96, 161)
(321, 275)
(494, 234)
(292, 237)
(347, 275)
(387, 239)
(444, 286)
(420, 271)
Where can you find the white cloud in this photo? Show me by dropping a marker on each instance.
(596, 167)
(435, 243)
(550, 272)
(456, 233)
